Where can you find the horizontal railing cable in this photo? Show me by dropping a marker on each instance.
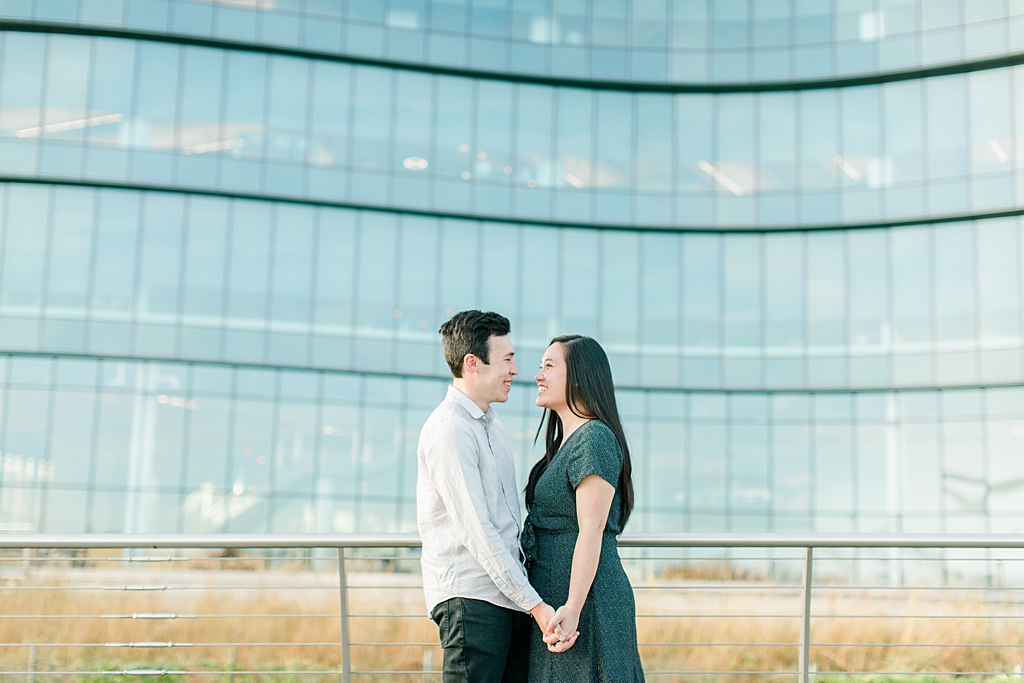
(710, 613)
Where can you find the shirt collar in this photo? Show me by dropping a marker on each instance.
(466, 402)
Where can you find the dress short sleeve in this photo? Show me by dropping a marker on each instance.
(596, 451)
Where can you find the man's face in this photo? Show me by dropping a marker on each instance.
(495, 379)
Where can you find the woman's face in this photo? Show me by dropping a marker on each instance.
(551, 379)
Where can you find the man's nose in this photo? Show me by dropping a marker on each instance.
(514, 370)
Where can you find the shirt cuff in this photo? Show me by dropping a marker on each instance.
(529, 598)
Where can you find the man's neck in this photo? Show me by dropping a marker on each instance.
(460, 384)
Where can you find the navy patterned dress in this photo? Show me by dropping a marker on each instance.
(606, 650)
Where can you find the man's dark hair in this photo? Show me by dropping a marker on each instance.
(467, 333)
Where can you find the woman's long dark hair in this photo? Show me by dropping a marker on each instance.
(590, 394)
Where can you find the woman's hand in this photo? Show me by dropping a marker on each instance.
(566, 620)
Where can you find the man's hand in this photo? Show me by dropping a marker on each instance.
(542, 614)
(564, 621)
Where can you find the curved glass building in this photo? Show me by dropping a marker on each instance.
(229, 232)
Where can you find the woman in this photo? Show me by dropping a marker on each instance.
(579, 497)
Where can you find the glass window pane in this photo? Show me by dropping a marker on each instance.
(784, 310)
(954, 282)
(538, 317)
(251, 461)
(454, 148)
(818, 139)
(862, 163)
(330, 116)
(159, 268)
(826, 289)
(206, 242)
(293, 251)
(614, 150)
(653, 156)
(67, 80)
(619, 282)
(947, 126)
(580, 288)
(999, 283)
(413, 106)
(286, 118)
(494, 130)
(869, 319)
(372, 113)
(21, 84)
(734, 170)
(244, 104)
(71, 436)
(660, 273)
(417, 296)
(695, 140)
(777, 135)
(294, 457)
(117, 225)
(249, 261)
(28, 208)
(911, 285)
(701, 274)
(990, 115)
(459, 266)
(904, 130)
(201, 90)
(533, 146)
(208, 448)
(70, 251)
(153, 121)
(334, 271)
(376, 302)
(742, 319)
(575, 174)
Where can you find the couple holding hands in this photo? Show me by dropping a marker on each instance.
(484, 573)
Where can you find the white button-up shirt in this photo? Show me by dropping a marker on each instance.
(467, 508)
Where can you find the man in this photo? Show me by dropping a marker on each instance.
(467, 505)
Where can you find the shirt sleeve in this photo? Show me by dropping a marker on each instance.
(453, 462)
(598, 452)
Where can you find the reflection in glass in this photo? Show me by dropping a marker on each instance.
(229, 120)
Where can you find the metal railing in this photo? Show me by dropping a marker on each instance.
(695, 586)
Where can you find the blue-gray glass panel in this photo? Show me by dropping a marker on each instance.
(163, 274)
(283, 125)
(768, 40)
(144, 447)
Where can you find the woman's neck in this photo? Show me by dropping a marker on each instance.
(570, 422)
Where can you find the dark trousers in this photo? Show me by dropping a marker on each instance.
(482, 643)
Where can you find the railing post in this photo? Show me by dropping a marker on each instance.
(346, 655)
(805, 617)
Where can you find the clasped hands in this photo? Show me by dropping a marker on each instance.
(556, 624)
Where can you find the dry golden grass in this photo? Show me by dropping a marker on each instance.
(706, 641)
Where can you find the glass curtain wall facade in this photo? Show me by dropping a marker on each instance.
(229, 233)
(656, 41)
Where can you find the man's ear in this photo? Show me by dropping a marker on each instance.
(470, 363)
